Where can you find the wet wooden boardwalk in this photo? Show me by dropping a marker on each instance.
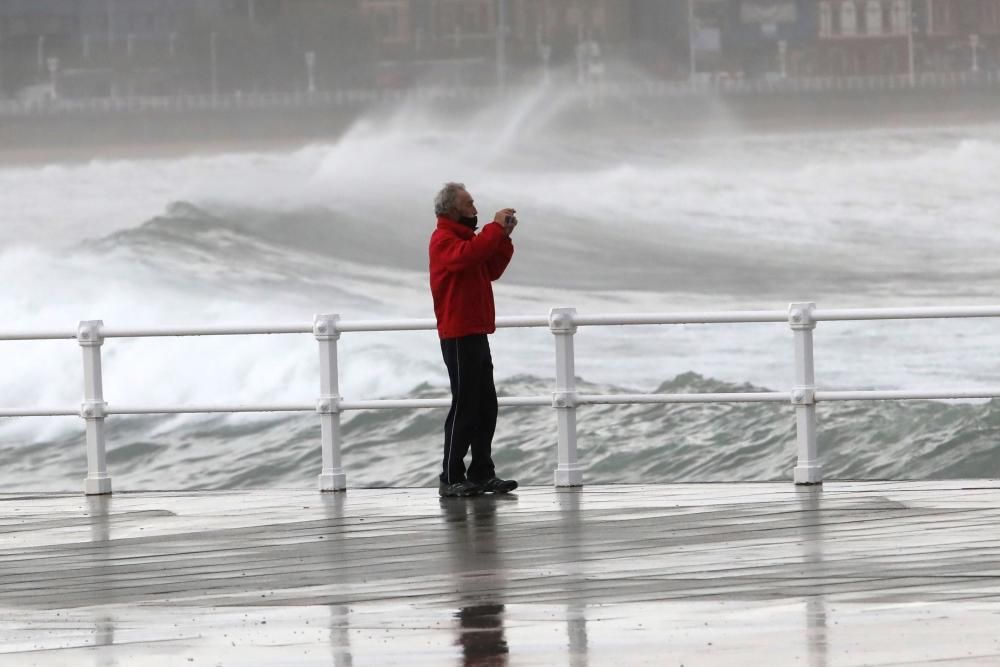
(877, 573)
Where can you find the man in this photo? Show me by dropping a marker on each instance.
(462, 266)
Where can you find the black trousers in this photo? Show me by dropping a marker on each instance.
(472, 419)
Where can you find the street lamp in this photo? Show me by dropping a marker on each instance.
(501, 43)
(544, 50)
(909, 42)
(691, 37)
(53, 66)
(41, 53)
(111, 24)
(311, 70)
(214, 61)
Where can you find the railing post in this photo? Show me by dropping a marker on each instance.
(332, 478)
(89, 336)
(568, 472)
(800, 318)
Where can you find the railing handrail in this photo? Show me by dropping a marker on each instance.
(354, 96)
(802, 317)
(523, 321)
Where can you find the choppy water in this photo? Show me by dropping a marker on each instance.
(613, 221)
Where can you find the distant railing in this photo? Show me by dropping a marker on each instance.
(601, 88)
(565, 399)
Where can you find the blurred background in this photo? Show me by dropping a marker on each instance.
(88, 48)
(182, 162)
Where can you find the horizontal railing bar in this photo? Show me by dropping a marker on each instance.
(522, 321)
(529, 401)
(222, 330)
(386, 325)
(623, 319)
(904, 394)
(417, 403)
(39, 412)
(195, 409)
(718, 317)
(943, 312)
(431, 325)
(389, 404)
(38, 335)
(737, 397)
(535, 401)
(525, 401)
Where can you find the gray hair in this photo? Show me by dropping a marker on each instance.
(446, 199)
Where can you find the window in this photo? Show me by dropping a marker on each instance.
(474, 18)
(899, 11)
(825, 19)
(390, 19)
(873, 17)
(990, 19)
(848, 18)
(464, 16)
(942, 18)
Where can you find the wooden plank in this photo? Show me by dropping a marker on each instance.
(879, 549)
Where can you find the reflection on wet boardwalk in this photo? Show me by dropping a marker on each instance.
(876, 573)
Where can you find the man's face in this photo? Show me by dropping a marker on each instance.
(465, 205)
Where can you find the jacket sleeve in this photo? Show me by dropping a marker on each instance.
(456, 254)
(497, 264)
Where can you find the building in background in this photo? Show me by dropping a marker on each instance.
(868, 37)
(84, 46)
(878, 37)
(482, 41)
(659, 38)
(80, 48)
(151, 47)
(31, 33)
(962, 35)
(770, 38)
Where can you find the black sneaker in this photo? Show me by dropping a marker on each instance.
(462, 489)
(497, 485)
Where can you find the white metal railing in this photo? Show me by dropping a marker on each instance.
(565, 399)
(356, 97)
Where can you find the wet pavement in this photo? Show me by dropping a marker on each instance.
(876, 573)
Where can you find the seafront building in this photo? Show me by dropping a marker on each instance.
(99, 48)
(677, 39)
(874, 37)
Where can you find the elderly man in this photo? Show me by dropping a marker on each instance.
(462, 266)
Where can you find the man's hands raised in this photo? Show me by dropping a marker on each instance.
(505, 218)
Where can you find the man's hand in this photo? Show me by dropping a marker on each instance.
(501, 218)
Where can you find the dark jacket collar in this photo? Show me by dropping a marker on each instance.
(455, 227)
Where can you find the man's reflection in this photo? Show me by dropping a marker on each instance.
(482, 635)
(477, 568)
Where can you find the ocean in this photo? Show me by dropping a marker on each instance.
(612, 220)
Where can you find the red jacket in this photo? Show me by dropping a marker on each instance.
(462, 265)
